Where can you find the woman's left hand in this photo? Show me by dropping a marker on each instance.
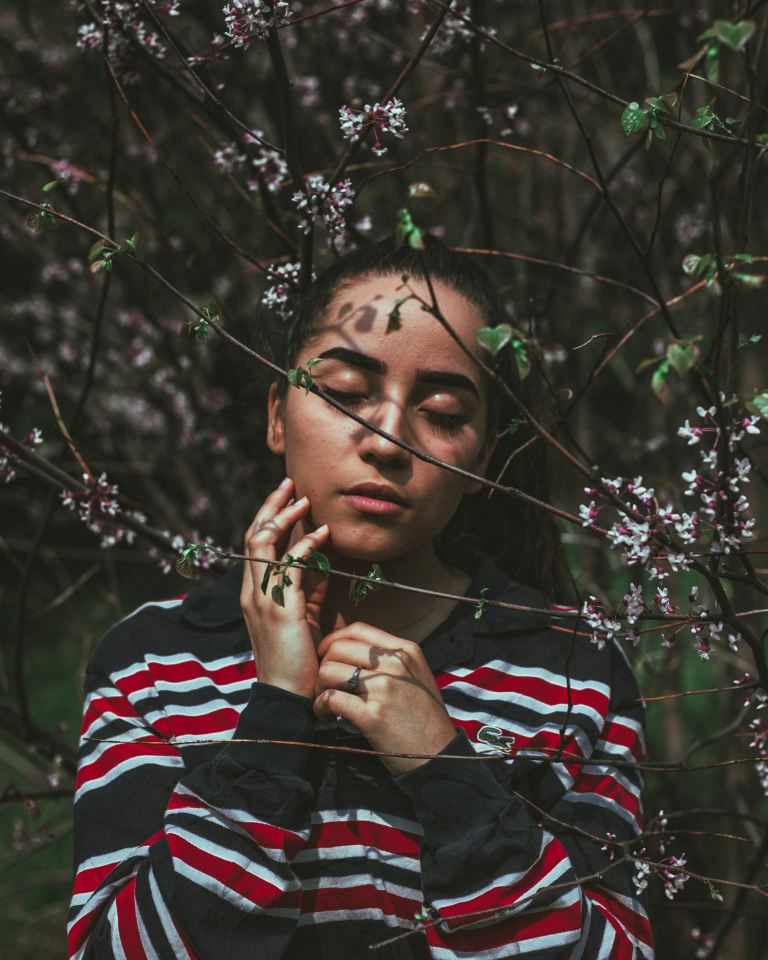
(397, 705)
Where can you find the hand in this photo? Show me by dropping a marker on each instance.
(396, 705)
(283, 637)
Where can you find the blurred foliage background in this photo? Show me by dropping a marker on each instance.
(150, 143)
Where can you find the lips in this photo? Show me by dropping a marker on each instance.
(377, 491)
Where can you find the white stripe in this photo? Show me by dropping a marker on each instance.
(97, 750)
(357, 851)
(258, 869)
(518, 729)
(513, 698)
(536, 673)
(175, 941)
(363, 815)
(361, 880)
(555, 941)
(363, 913)
(125, 767)
(226, 893)
(174, 659)
(508, 880)
(162, 604)
(600, 801)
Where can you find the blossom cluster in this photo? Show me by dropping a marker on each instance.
(8, 458)
(120, 26)
(325, 203)
(387, 117)
(670, 872)
(98, 509)
(655, 536)
(282, 287)
(261, 164)
(246, 19)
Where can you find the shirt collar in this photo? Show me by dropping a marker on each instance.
(453, 641)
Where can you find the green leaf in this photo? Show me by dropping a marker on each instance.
(51, 185)
(184, 564)
(659, 381)
(734, 35)
(265, 578)
(703, 118)
(758, 404)
(494, 339)
(522, 360)
(320, 561)
(278, 595)
(633, 118)
(714, 893)
(394, 320)
(538, 68)
(753, 280)
(313, 362)
(512, 427)
(666, 102)
(712, 63)
(743, 257)
(480, 605)
(682, 355)
(407, 231)
(749, 341)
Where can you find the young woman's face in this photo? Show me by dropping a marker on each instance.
(415, 383)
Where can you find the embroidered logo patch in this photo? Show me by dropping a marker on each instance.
(493, 737)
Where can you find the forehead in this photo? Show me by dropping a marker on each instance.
(359, 314)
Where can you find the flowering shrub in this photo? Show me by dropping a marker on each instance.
(230, 143)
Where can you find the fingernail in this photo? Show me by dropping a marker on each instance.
(323, 527)
(284, 484)
(301, 501)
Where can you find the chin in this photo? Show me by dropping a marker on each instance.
(360, 545)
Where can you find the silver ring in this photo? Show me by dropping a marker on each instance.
(354, 680)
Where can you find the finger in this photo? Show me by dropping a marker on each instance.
(365, 632)
(337, 703)
(336, 674)
(273, 503)
(264, 542)
(302, 550)
(358, 653)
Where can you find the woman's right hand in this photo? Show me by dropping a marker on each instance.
(284, 638)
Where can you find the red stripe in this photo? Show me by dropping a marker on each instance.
(505, 896)
(364, 896)
(194, 669)
(545, 691)
(127, 925)
(247, 885)
(140, 679)
(349, 833)
(514, 930)
(223, 720)
(606, 786)
(265, 834)
(623, 736)
(119, 753)
(636, 923)
(106, 707)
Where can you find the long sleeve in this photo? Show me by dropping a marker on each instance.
(186, 863)
(486, 849)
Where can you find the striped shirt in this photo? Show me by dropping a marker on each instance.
(249, 850)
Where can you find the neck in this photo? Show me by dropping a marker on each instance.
(411, 616)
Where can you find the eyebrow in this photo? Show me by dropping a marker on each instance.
(446, 378)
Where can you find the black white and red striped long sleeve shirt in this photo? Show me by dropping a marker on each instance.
(243, 850)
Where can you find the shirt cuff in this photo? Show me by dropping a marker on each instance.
(272, 713)
(452, 797)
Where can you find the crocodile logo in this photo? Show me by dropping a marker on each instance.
(493, 737)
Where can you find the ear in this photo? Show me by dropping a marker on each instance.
(483, 459)
(275, 421)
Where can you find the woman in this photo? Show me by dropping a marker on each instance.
(291, 851)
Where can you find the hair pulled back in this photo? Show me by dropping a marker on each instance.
(521, 539)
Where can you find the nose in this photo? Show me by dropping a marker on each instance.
(391, 417)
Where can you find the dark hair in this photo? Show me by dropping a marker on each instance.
(522, 540)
